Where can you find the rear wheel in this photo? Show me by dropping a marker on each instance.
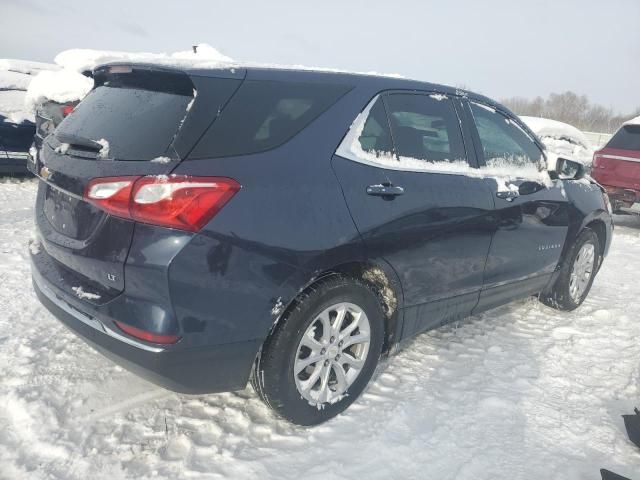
(576, 276)
(323, 352)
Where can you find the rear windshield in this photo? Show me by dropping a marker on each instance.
(627, 138)
(136, 118)
(264, 114)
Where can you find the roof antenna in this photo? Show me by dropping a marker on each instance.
(195, 48)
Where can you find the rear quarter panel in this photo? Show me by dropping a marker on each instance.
(287, 225)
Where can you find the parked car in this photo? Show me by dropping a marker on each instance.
(617, 167)
(562, 139)
(15, 140)
(16, 123)
(290, 227)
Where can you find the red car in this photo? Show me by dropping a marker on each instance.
(617, 166)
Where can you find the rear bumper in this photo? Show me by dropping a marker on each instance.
(621, 197)
(196, 370)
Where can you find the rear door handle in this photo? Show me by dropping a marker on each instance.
(508, 195)
(384, 190)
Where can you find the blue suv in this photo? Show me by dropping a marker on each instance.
(209, 227)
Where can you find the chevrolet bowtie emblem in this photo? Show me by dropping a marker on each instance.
(45, 173)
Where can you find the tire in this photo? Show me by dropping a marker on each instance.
(274, 376)
(561, 296)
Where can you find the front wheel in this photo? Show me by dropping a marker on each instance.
(323, 353)
(577, 274)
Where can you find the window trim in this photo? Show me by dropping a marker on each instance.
(344, 149)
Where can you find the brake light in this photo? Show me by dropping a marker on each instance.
(145, 335)
(596, 161)
(111, 194)
(67, 109)
(178, 201)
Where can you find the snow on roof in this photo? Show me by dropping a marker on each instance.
(544, 127)
(68, 84)
(82, 59)
(24, 66)
(633, 121)
(59, 86)
(14, 80)
(12, 107)
(561, 139)
(15, 77)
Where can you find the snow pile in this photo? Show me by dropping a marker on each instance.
(59, 86)
(161, 160)
(82, 59)
(561, 139)
(203, 53)
(62, 148)
(104, 148)
(68, 84)
(81, 293)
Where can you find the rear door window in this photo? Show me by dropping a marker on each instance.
(503, 142)
(376, 134)
(627, 138)
(425, 127)
(265, 114)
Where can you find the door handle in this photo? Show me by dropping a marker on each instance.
(508, 195)
(384, 190)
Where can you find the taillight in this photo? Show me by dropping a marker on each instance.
(178, 201)
(67, 109)
(111, 194)
(145, 335)
(596, 161)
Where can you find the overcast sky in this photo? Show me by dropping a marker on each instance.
(501, 48)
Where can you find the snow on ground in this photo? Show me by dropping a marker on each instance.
(561, 139)
(521, 392)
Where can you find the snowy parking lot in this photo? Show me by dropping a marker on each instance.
(520, 392)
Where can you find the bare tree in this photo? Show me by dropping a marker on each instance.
(570, 108)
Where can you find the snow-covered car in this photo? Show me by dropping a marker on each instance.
(561, 139)
(16, 120)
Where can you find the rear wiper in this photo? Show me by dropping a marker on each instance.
(75, 140)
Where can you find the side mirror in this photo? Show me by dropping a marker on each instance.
(569, 169)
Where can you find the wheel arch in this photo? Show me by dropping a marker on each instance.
(600, 229)
(380, 277)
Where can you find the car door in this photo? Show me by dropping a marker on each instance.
(400, 170)
(531, 210)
